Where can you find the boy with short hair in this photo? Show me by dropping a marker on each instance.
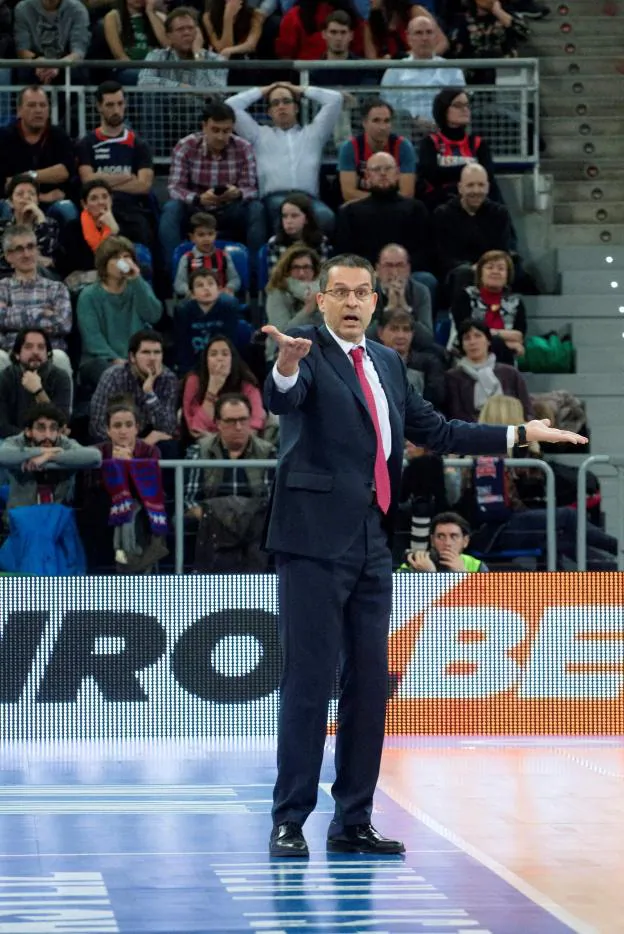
(209, 311)
(205, 255)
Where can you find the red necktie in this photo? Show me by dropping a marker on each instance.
(382, 477)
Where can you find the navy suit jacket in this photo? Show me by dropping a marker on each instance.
(324, 476)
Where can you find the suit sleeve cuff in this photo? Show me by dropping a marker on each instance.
(284, 383)
(511, 439)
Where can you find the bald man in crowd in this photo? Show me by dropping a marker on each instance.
(385, 216)
(468, 226)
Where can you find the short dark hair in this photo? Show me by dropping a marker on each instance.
(44, 410)
(202, 219)
(276, 88)
(218, 111)
(202, 274)
(23, 179)
(179, 13)
(20, 340)
(449, 518)
(397, 316)
(376, 102)
(351, 261)
(471, 323)
(107, 87)
(231, 397)
(121, 403)
(145, 334)
(92, 184)
(341, 17)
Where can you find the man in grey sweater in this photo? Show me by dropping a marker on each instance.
(41, 460)
(51, 29)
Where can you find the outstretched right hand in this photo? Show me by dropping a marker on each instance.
(290, 350)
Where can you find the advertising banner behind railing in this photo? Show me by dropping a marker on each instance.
(198, 656)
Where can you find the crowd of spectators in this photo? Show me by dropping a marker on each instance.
(129, 330)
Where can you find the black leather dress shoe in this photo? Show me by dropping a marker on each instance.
(362, 838)
(287, 840)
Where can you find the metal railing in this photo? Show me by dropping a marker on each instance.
(505, 113)
(179, 466)
(613, 460)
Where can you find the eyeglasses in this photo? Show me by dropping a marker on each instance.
(22, 248)
(281, 100)
(235, 421)
(301, 267)
(361, 293)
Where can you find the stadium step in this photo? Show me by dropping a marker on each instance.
(588, 282)
(597, 147)
(608, 63)
(576, 26)
(588, 212)
(587, 235)
(575, 8)
(575, 259)
(569, 307)
(583, 169)
(583, 126)
(562, 45)
(578, 86)
(585, 106)
(594, 191)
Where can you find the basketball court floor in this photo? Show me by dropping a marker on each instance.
(502, 837)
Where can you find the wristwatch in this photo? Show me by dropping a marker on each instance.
(33, 175)
(522, 437)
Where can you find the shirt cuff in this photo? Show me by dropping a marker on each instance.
(284, 383)
(511, 439)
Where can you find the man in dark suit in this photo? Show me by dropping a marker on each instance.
(345, 407)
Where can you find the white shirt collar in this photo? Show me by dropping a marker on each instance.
(347, 346)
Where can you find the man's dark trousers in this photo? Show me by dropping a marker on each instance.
(347, 624)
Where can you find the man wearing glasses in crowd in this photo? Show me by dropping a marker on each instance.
(345, 408)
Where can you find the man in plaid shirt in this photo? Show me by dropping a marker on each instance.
(214, 171)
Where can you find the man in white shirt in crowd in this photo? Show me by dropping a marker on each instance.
(288, 155)
(412, 94)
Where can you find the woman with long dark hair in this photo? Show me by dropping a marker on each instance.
(220, 370)
(132, 29)
(233, 29)
(301, 29)
(297, 224)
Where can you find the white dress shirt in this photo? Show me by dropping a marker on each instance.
(411, 83)
(288, 160)
(285, 383)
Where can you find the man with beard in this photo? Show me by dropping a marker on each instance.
(41, 459)
(385, 216)
(32, 378)
(119, 156)
(152, 386)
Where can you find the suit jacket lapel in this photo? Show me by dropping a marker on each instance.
(335, 355)
(386, 382)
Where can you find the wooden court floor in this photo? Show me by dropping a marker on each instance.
(503, 836)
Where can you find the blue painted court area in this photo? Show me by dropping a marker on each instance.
(173, 838)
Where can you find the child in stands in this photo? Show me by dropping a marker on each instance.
(205, 256)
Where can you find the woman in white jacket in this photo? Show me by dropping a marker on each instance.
(291, 292)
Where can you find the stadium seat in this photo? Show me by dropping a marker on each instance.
(263, 267)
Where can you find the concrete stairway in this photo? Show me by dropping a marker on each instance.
(581, 51)
(592, 305)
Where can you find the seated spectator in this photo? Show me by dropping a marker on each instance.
(152, 386)
(7, 51)
(181, 27)
(132, 29)
(377, 136)
(443, 154)
(288, 155)
(234, 30)
(131, 477)
(338, 37)
(297, 224)
(449, 539)
(205, 255)
(97, 220)
(214, 171)
(51, 29)
(31, 144)
(112, 309)
(32, 378)
(209, 311)
(220, 371)
(301, 29)
(291, 292)
(43, 442)
(483, 29)
(28, 299)
(425, 368)
(478, 376)
(386, 31)
(22, 198)
(120, 157)
(413, 95)
(230, 505)
(469, 226)
(398, 290)
(492, 302)
(367, 226)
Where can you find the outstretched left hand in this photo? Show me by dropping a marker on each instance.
(540, 430)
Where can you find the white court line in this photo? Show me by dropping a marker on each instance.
(507, 875)
(157, 854)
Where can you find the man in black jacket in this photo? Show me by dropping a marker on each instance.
(31, 378)
(468, 226)
(366, 226)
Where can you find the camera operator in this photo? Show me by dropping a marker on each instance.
(449, 538)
